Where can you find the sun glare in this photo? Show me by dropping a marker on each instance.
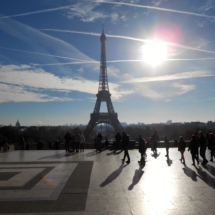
(154, 52)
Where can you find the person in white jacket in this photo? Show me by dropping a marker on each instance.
(82, 141)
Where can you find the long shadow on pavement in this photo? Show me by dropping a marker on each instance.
(190, 173)
(137, 176)
(206, 177)
(114, 152)
(59, 156)
(210, 169)
(112, 176)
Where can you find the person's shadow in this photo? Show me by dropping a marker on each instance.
(209, 168)
(112, 176)
(137, 176)
(169, 161)
(190, 173)
(206, 177)
(90, 154)
(58, 156)
(155, 155)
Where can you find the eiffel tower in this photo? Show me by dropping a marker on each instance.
(103, 95)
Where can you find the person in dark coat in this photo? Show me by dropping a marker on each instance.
(166, 142)
(197, 138)
(67, 138)
(125, 144)
(202, 143)
(118, 139)
(142, 149)
(211, 146)
(181, 148)
(154, 140)
(193, 148)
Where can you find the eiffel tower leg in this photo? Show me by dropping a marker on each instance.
(116, 124)
(89, 128)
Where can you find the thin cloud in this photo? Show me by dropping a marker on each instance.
(109, 2)
(177, 76)
(129, 38)
(37, 53)
(14, 93)
(36, 79)
(37, 12)
(156, 8)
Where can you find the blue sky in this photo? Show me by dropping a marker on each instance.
(50, 53)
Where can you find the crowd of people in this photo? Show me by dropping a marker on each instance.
(197, 145)
(75, 143)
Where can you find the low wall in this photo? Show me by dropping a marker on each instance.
(132, 145)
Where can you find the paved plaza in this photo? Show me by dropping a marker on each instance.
(86, 183)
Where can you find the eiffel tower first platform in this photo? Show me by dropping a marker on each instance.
(103, 95)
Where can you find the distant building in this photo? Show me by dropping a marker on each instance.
(169, 122)
(124, 124)
(210, 125)
(18, 124)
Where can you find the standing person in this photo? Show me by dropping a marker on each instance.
(56, 144)
(211, 145)
(82, 141)
(125, 144)
(197, 138)
(193, 148)
(166, 142)
(142, 150)
(77, 141)
(6, 145)
(202, 143)
(155, 140)
(22, 142)
(118, 139)
(99, 136)
(50, 144)
(67, 138)
(181, 148)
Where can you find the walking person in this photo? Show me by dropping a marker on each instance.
(166, 142)
(197, 138)
(211, 145)
(67, 138)
(118, 139)
(125, 144)
(202, 143)
(82, 141)
(193, 148)
(142, 150)
(181, 148)
(154, 140)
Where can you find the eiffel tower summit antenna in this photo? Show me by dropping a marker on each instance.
(103, 95)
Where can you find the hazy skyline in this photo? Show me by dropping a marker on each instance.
(160, 60)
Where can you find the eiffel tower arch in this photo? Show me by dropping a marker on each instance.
(103, 95)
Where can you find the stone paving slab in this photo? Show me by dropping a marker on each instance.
(99, 184)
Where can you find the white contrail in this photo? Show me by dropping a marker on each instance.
(128, 38)
(118, 61)
(69, 63)
(155, 8)
(177, 76)
(107, 2)
(36, 12)
(37, 53)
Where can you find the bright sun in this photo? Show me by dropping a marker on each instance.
(154, 52)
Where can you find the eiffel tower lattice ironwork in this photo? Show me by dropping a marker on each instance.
(103, 95)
